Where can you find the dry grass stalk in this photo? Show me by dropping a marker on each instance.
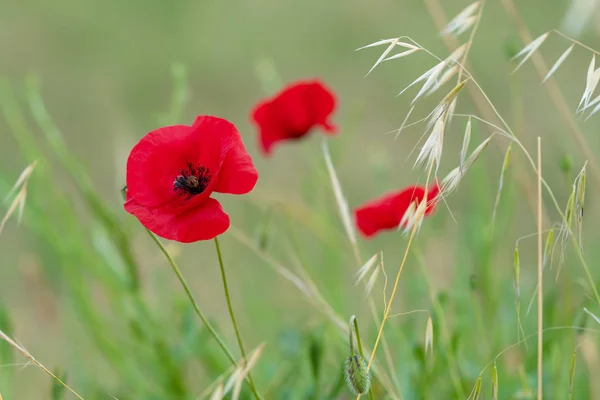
(342, 204)
(27, 354)
(540, 322)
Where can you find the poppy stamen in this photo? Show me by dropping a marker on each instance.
(192, 180)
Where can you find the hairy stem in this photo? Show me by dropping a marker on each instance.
(354, 327)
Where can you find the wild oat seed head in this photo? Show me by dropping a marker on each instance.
(431, 152)
(463, 21)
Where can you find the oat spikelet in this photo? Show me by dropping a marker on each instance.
(429, 336)
(505, 165)
(528, 50)
(431, 152)
(591, 82)
(477, 391)
(451, 181)
(364, 270)
(579, 202)
(463, 21)
(430, 76)
(383, 55)
(18, 203)
(558, 62)
(465, 145)
(238, 376)
(391, 44)
(408, 217)
(548, 247)
(371, 282)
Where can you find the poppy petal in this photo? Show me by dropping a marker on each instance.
(386, 212)
(155, 161)
(322, 102)
(204, 222)
(269, 130)
(216, 138)
(377, 215)
(237, 174)
(293, 113)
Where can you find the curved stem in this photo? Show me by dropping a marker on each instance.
(190, 296)
(200, 314)
(233, 321)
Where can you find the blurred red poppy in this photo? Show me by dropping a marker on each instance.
(172, 172)
(386, 212)
(293, 113)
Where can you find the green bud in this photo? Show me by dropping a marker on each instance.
(358, 377)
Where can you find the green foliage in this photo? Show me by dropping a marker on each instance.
(126, 330)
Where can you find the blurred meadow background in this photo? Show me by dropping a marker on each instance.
(90, 295)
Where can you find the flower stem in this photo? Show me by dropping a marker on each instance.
(233, 321)
(200, 314)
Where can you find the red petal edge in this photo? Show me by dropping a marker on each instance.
(204, 222)
(385, 213)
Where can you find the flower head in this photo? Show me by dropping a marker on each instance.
(293, 113)
(388, 212)
(172, 172)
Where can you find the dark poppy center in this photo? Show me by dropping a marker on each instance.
(191, 181)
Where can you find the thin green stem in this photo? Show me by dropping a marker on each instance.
(354, 321)
(233, 321)
(200, 314)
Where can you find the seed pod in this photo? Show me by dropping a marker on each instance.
(358, 377)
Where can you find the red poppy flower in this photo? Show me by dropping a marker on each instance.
(172, 172)
(293, 113)
(386, 212)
